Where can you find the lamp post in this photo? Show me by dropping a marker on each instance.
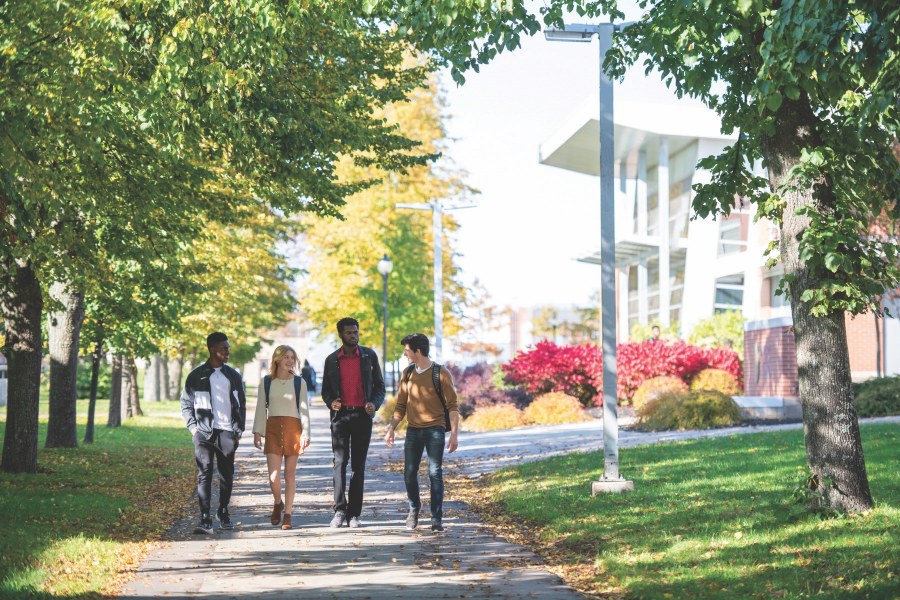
(611, 481)
(437, 212)
(385, 266)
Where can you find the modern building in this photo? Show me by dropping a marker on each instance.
(674, 269)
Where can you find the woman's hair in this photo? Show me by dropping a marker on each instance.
(279, 353)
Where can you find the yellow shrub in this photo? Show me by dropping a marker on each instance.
(492, 418)
(386, 413)
(718, 380)
(699, 409)
(660, 412)
(655, 387)
(554, 408)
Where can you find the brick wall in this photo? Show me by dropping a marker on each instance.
(770, 362)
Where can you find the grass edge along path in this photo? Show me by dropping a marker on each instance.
(710, 518)
(82, 525)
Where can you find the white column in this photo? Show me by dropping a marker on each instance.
(641, 193)
(665, 293)
(643, 307)
(622, 330)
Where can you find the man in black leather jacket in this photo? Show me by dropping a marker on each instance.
(353, 389)
(214, 408)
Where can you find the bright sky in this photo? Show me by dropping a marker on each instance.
(532, 221)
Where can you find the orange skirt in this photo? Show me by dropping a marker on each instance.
(283, 436)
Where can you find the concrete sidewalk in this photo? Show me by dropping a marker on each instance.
(381, 559)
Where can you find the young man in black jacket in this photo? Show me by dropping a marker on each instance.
(353, 389)
(214, 408)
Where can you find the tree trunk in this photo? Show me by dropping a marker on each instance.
(96, 360)
(21, 305)
(134, 398)
(176, 364)
(164, 378)
(115, 393)
(833, 446)
(64, 330)
(127, 385)
(151, 380)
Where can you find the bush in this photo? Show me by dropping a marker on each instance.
(720, 330)
(573, 370)
(476, 387)
(492, 418)
(699, 409)
(659, 413)
(386, 413)
(718, 380)
(878, 397)
(655, 387)
(555, 408)
(640, 361)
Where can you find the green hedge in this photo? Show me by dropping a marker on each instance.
(878, 397)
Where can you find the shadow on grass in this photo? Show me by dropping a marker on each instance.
(713, 518)
(73, 516)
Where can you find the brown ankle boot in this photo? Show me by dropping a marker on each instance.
(276, 513)
(286, 524)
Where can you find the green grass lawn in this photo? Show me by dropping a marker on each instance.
(75, 528)
(708, 519)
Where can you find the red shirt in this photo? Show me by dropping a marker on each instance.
(351, 379)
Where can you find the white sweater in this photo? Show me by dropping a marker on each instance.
(282, 403)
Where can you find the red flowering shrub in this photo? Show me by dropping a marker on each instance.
(639, 361)
(578, 370)
(573, 370)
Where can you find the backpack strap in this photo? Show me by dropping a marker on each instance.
(298, 383)
(267, 382)
(436, 380)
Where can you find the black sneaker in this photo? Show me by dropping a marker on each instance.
(339, 519)
(205, 526)
(224, 519)
(412, 519)
(437, 526)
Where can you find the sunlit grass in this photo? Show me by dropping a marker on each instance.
(73, 528)
(709, 519)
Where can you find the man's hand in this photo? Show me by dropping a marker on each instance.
(389, 437)
(193, 431)
(370, 408)
(452, 443)
(257, 440)
(336, 405)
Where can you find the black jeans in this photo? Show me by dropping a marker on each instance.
(221, 445)
(431, 441)
(351, 432)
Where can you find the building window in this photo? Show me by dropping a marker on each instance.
(729, 293)
(731, 236)
(777, 300)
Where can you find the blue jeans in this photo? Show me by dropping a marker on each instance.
(430, 440)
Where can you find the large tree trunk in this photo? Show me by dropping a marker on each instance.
(127, 385)
(151, 380)
(176, 364)
(21, 304)
(833, 446)
(134, 397)
(63, 332)
(115, 393)
(96, 360)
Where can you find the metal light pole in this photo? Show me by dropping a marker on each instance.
(611, 481)
(385, 266)
(437, 214)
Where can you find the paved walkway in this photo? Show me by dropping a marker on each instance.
(381, 559)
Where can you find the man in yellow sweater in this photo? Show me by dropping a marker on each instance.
(427, 399)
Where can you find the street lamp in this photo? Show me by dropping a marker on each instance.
(611, 480)
(437, 212)
(385, 266)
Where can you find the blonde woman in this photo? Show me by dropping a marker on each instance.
(282, 418)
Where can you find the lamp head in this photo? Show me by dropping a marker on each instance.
(385, 266)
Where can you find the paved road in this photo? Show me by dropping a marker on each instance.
(381, 559)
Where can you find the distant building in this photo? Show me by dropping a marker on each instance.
(671, 269)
